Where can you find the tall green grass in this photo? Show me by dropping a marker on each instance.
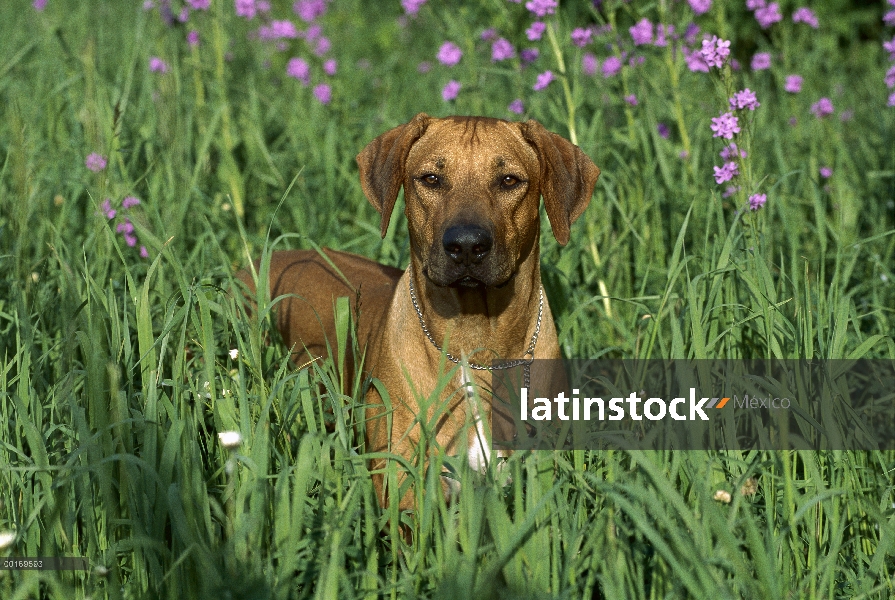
(117, 375)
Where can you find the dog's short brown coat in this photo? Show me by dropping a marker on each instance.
(472, 187)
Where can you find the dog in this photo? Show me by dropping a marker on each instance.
(472, 291)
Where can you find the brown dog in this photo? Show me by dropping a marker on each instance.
(472, 187)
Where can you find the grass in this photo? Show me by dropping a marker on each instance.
(116, 373)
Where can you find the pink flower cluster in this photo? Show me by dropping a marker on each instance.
(822, 108)
(542, 8)
(744, 99)
(298, 67)
(157, 65)
(124, 226)
(411, 7)
(449, 54)
(889, 19)
(715, 51)
(725, 126)
(807, 16)
(249, 9)
(766, 14)
(95, 162)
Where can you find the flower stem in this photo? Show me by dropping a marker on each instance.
(567, 89)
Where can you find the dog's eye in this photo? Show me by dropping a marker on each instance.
(430, 180)
(508, 182)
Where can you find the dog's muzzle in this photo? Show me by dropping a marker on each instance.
(467, 248)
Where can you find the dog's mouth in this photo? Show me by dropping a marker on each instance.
(467, 281)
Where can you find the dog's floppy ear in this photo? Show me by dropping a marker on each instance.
(381, 165)
(568, 177)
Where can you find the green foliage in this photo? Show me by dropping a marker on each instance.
(117, 373)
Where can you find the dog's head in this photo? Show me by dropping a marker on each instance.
(472, 187)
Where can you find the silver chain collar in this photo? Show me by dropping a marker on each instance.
(530, 352)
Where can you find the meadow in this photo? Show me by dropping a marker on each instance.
(149, 150)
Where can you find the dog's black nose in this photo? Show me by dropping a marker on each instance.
(467, 244)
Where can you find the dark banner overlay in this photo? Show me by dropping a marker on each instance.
(695, 405)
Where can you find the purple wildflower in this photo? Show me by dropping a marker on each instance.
(715, 51)
(330, 66)
(611, 66)
(726, 173)
(300, 69)
(761, 61)
(744, 99)
(826, 172)
(589, 64)
(730, 191)
(695, 61)
(192, 38)
(95, 162)
(278, 30)
(662, 31)
(691, 33)
(890, 77)
(322, 46)
(754, 5)
(631, 99)
(890, 48)
(541, 8)
(805, 15)
(39, 5)
(516, 106)
(502, 50)
(107, 209)
(449, 54)
(529, 55)
(308, 10)
(489, 34)
(725, 126)
(543, 80)
(130, 202)
(199, 4)
(126, 229)
(157, 65)
(144, 253)
(768, 15)
(536, 30)
(450, 91)
(793, 84)
(889, 18)
(822, 108)
(245, 8)
(313, 32)
(323, 93)
(581, 36)
(700, 7)
(731, 152)
(663, 130)
(411, 7)
(891, 101)
(642, 32)
(756, 201)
